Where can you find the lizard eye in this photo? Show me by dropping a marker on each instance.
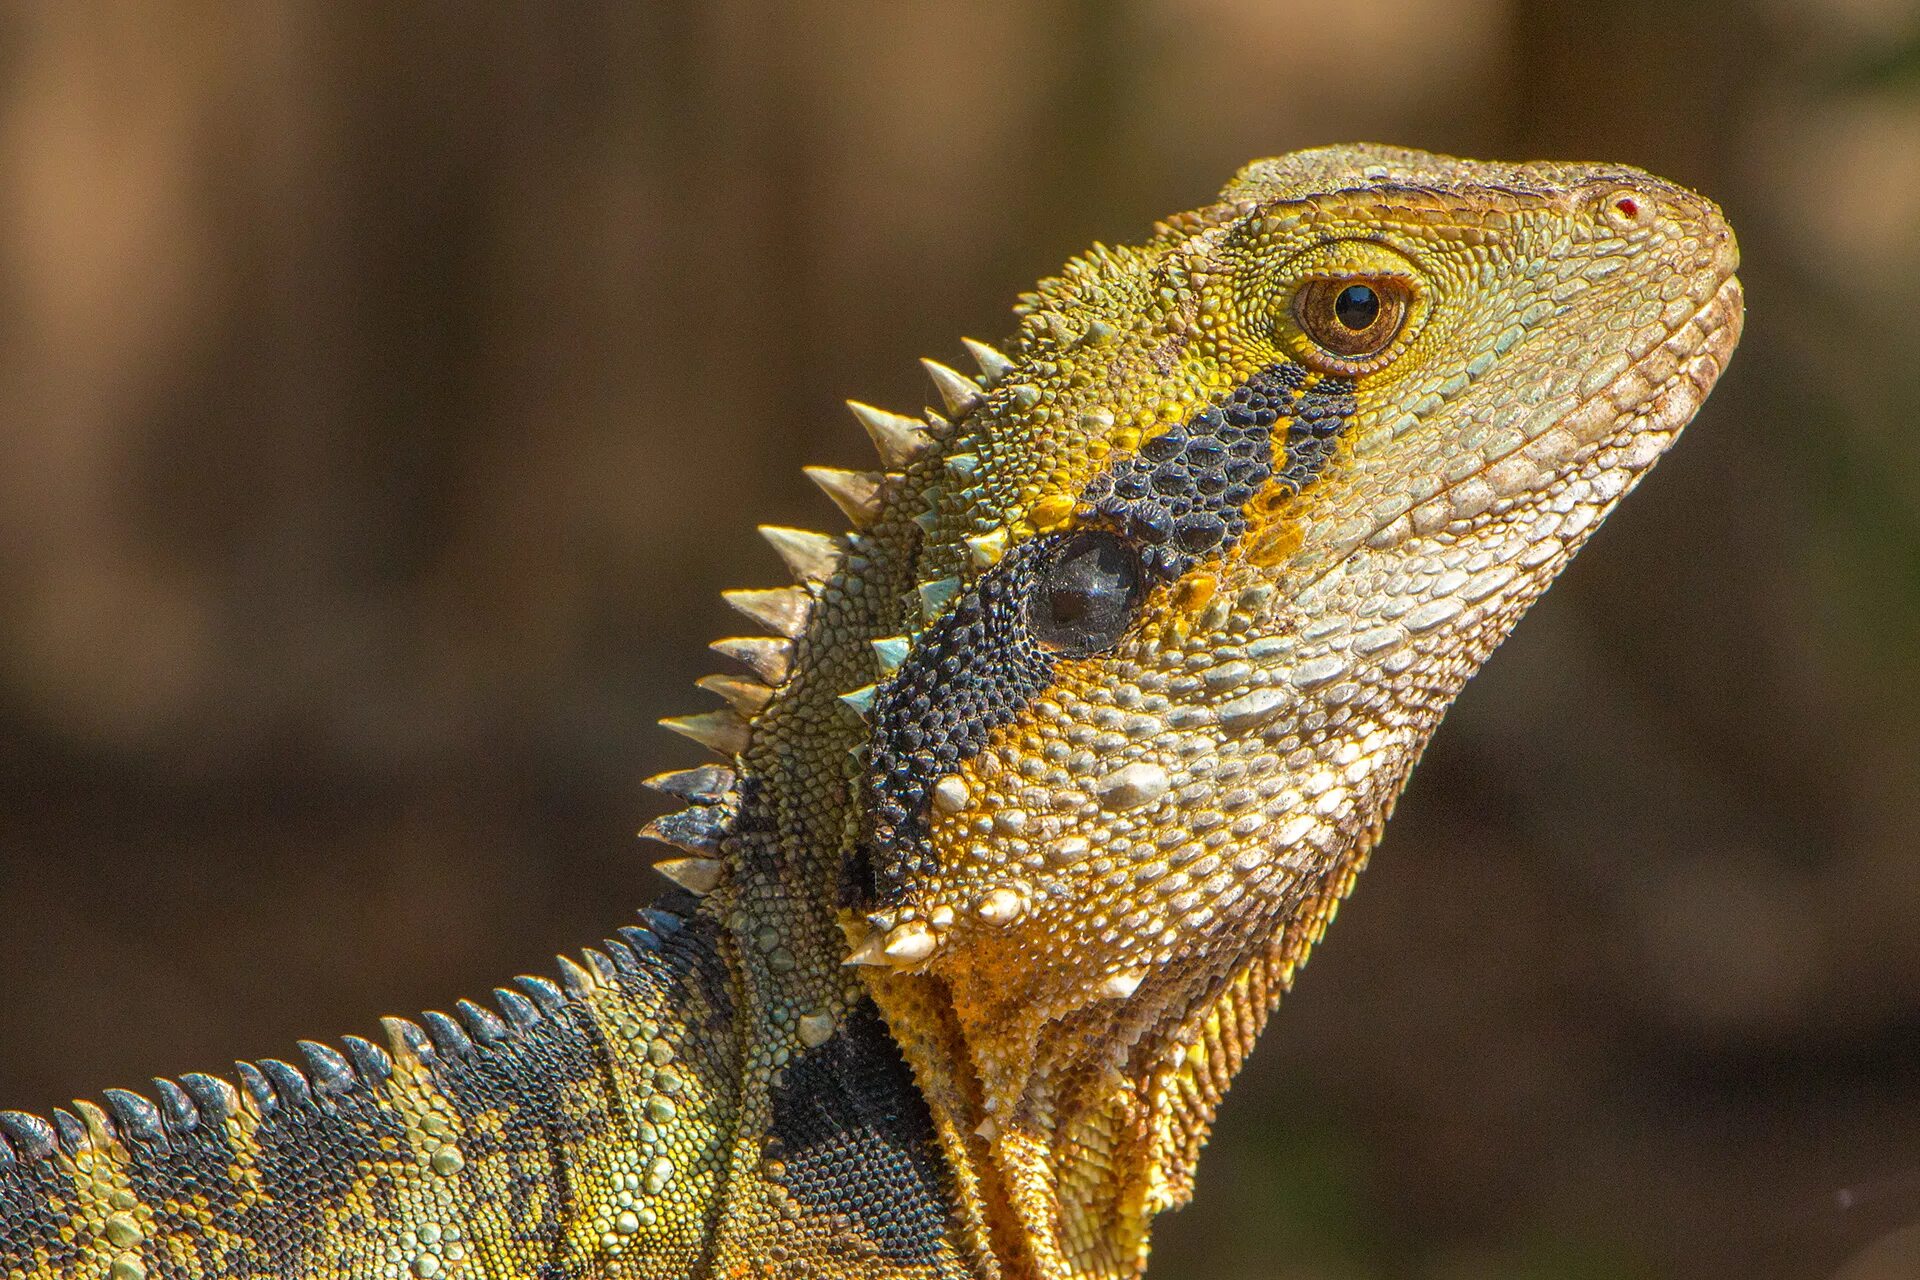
(1352, 319)
(1088, 587)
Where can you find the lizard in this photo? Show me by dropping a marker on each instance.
(1033, 796)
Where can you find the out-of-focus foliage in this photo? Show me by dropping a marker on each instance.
(386, 391)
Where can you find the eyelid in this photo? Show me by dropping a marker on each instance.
(1361, 275)
(1407, 285)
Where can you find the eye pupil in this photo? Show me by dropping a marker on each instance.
(1351, 319)
(1088, 588)
(1357, 307)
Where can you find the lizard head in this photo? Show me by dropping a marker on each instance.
(1164, 608)
(1201, 561)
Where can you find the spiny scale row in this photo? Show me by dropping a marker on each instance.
(198, 1098)
(811, 558)
(699, 828)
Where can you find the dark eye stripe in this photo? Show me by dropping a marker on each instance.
(1184, 494)
(977, 667)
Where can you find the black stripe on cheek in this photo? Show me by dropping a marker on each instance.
(1184, 494)
(973, 670)
(1181, 497)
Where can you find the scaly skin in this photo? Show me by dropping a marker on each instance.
(1050, 776)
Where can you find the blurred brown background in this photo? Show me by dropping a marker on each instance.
(386, 392)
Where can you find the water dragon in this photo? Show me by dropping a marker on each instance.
(1034, 794)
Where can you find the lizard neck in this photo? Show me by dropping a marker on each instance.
(836, 1150)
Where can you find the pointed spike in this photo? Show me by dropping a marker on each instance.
(934, 596)
(985, 549)
(1026, 395)
(135, 1117)
(70, 1132)
(177, 1111)
(699, 876)
(965, 466)
(482, 1023)
(748, 697)
(31, 1136)
(909, 944)
(870, 951)
(575, 979)
(766, 657)
(288, 1082)
(960, 394)
(1120, 986)
(809, 556)
(406, 1041)
(666, 923)
(624, 961)
(542, 991)
(781, 610)
(721, 731)
(370, 1061)
(102, 1132)
(520, 1011)
(856, 493)
(697, 830)
(1060, 330)
(707, 784)
(993, 364)
(254, 1085)
(1099, 332)
(891, 652)
(602, 966)
(215, 1099)
(449, 1039)
(329, 1071)
(897, 439)
(860, 701)
(928, 520)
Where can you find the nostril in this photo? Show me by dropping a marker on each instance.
(1625, 209)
